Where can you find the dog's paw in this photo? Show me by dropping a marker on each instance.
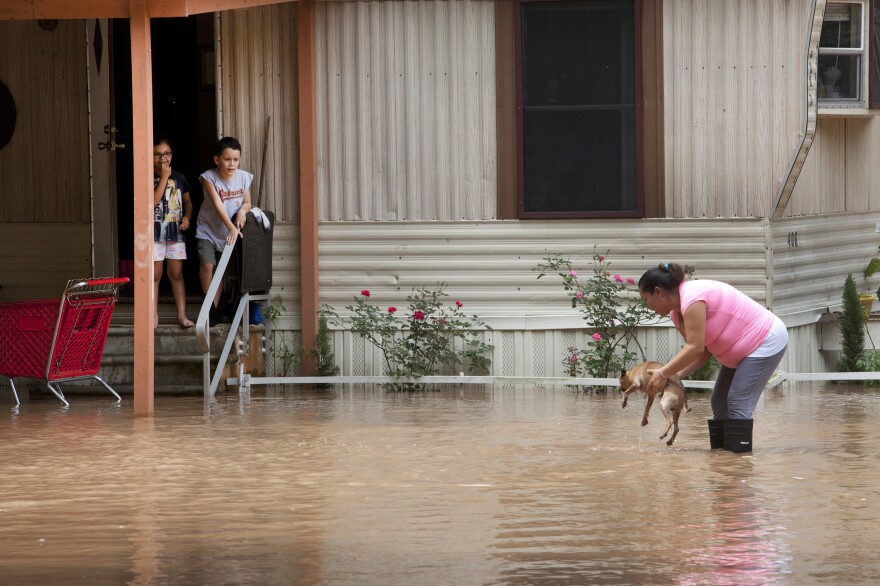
(669, 443)
(644, 422)
(623, 404)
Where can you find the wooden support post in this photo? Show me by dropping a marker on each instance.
(142, 153)
(308, 165)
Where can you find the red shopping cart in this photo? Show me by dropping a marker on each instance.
(59, 340)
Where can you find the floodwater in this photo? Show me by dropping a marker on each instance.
(503, 485)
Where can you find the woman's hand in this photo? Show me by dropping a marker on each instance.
(658, 381)
(240, 219)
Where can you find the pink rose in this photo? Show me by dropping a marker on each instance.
(458, 304)
(572, 273)
(418, 315)
(601, 258)
(392, 309)
(630, 281)
(573, 358)
(618, 278)
(579, 294)
(597, 336)
(365, 293)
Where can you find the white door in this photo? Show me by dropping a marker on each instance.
(102, 146)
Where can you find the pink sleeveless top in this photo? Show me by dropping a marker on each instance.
(735, 323)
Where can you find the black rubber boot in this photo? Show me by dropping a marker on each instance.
(738, 435)
(716, 433)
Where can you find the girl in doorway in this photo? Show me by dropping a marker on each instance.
(171, 216)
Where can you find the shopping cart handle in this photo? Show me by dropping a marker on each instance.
(108, 281)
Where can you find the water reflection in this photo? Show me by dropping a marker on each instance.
(744, 547)
(466, 486)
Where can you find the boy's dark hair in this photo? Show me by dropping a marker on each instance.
(227, 142)
(162, 138)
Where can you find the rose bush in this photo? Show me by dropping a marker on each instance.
(420, 341)
(612, 308)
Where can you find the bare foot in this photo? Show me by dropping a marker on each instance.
(185, 322)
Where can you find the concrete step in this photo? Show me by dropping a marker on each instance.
(178, 364)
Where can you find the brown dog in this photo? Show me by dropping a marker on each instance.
(673, 398)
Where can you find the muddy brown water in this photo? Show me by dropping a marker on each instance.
(495, 485)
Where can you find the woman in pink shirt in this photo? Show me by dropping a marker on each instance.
(718, 320)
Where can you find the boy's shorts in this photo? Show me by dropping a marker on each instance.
(207, 252)
(169, 250)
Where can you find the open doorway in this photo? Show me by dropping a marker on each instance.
(184, 109)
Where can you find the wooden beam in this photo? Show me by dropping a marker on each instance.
(39, 9)
(308, 165)
(142, 153)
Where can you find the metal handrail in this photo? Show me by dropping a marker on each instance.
(203, 329)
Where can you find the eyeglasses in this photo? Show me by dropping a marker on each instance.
(165, 155)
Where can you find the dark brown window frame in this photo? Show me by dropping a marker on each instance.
(652, 127)
(873, 57)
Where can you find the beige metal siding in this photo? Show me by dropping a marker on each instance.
(535, 353)
(257, 58)
(45, 167)
(734, 74)
(488, 266)
(841, 172)
(406, 110)
(808, 278)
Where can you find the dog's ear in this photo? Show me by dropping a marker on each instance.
(622, 372)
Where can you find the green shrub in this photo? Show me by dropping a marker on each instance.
(422, 340)
(852, 329)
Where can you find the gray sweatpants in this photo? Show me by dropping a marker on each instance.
(737, 390)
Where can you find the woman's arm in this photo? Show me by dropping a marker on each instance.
(694, 318)
(695, 365)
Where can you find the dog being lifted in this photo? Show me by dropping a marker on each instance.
(673, 398)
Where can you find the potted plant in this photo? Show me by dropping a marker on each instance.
(867, 299)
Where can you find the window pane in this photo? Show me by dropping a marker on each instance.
(579, 161)
(578, 87)
(842, 27)
(839, 77)
(577, 54)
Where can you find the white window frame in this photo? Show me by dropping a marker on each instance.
(827, 104)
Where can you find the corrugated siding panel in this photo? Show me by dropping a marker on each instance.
(488, 265)
(406, 110)
(733, 92)
(54, 254)
(840, 173)
(536, 353)
(821, 187)
(258, 83)
(45, 167)
(808, 278)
